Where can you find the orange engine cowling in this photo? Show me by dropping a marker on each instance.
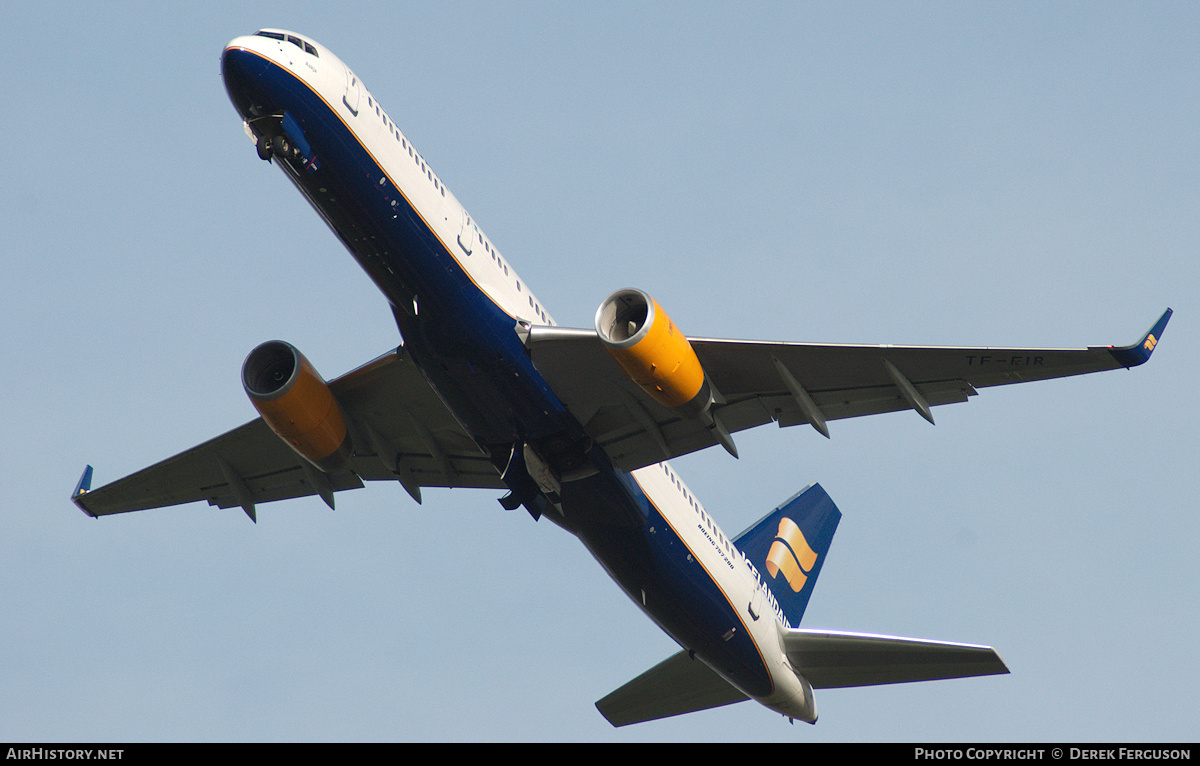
(296, 403)
(652, 351)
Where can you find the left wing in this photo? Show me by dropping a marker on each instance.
(402, 431)
(792, 384)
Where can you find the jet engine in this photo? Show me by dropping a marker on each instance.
(651, 349)
(297, 404)
(657, 356)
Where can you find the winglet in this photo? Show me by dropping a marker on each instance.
(1139, 353)
(82, 487)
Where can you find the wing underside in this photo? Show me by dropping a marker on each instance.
(792, 384)
(402, 431)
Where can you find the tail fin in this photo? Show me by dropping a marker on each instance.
(788, 548)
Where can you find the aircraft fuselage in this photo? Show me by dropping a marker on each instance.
(463, 313)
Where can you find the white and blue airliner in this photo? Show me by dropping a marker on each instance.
(575, 425)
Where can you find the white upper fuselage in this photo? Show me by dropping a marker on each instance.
(424, 194)
(406, 169)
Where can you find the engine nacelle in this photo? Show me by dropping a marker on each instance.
(296, 403)
(652, 351)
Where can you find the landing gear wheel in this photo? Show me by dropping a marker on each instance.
(264, 148)
(282, 146)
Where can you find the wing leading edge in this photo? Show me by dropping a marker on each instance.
(402, 431)
(794, 383)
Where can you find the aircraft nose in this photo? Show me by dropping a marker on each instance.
(243, 70)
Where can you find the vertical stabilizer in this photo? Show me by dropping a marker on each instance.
(788, 548)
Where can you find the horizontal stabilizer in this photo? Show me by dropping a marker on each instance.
(833, 659)
(677, 685)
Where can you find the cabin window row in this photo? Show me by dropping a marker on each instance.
(699, 510)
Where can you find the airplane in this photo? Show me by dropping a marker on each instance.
(487, 391)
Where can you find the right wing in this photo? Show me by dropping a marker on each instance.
(402, 431)
(792, 384)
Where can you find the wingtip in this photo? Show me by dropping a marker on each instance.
(1139, 353)
(82, 487)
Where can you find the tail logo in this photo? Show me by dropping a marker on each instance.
(791, 554)
(1150, 343)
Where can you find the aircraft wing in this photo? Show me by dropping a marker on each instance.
(792, 384)
(402, 431)
(834, 660)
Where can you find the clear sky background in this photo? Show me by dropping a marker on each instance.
(958, 173)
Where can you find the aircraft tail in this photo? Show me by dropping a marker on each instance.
(788, 547)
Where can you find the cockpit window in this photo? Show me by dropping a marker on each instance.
(296, 41)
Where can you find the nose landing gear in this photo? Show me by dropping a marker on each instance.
(263, 144)
(277, 146)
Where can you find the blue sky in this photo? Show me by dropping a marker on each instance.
(992, 174)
